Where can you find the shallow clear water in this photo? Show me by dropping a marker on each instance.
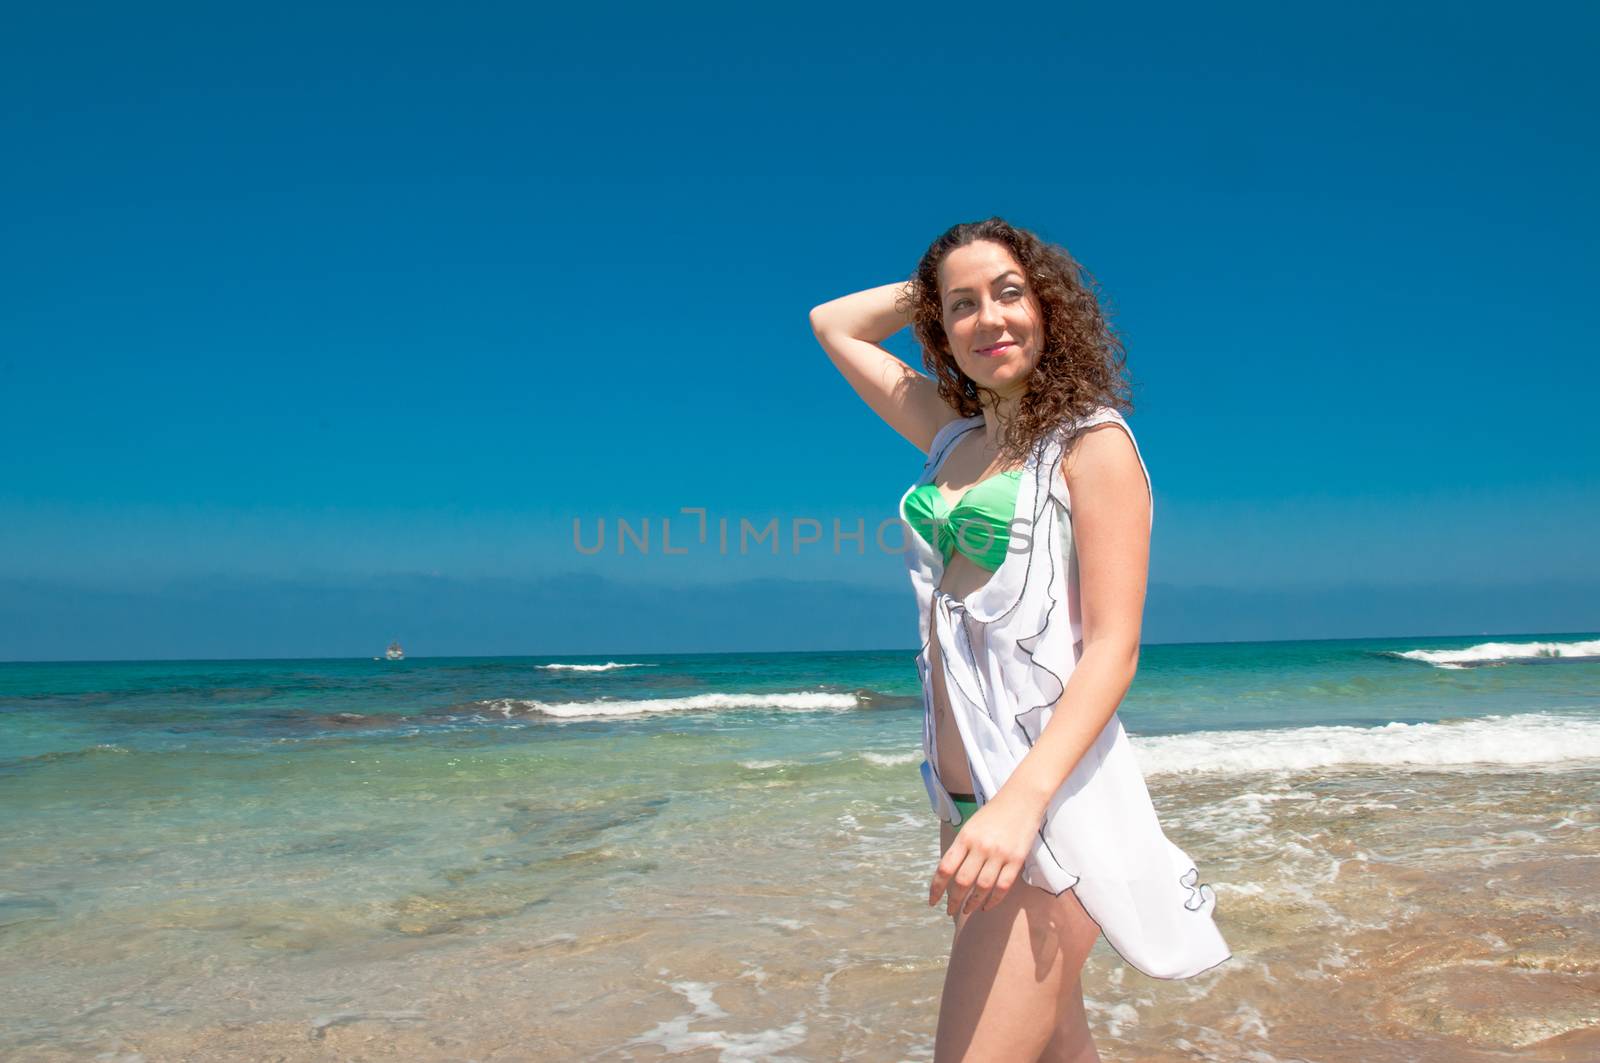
(477, 851)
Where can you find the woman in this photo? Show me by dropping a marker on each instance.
(1028, 541)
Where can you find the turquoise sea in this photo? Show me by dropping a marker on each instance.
(257, 859)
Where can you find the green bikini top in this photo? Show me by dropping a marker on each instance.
(978, 524)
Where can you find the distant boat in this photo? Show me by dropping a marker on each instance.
(394, 652)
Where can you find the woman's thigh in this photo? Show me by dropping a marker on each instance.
(1013, 979)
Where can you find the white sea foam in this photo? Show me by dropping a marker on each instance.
(1249, 1022)
(1528, 739)
(802, 700)
(889, 760)
(608, 666)
(1491, 652)
(1116, 1015)
(673, 1035)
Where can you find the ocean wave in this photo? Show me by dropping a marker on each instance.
(889, 760)
(1530, 739)
(801, 700)
(608, 666)
(868, 698)
(1501, 652)
(53, 756)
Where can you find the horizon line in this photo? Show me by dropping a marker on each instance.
(744, 653)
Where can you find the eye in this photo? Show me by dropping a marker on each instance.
(1010, 291)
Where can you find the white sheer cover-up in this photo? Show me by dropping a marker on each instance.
(1006, 652)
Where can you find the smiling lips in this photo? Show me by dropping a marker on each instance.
(990, 352)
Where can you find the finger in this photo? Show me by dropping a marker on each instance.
(981, 888)
(958, 899)
(1002, 886)
(987, 877)
(961, 885)
(965, 886)
(953, 857)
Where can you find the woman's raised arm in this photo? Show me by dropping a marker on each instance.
(851, 329)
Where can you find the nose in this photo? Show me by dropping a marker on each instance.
(989, 314)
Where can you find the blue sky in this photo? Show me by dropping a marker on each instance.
(370, 303)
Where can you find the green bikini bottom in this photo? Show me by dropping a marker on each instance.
(966, 804)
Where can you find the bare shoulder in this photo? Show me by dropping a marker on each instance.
(921, 419)
(1103, 459)
(949, 422)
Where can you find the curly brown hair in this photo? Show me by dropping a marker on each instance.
(1082, 363)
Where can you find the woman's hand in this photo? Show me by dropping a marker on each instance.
(988, 853)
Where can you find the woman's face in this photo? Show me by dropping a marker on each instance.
(991, 316)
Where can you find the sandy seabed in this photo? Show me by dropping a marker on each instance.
(1374, 916)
